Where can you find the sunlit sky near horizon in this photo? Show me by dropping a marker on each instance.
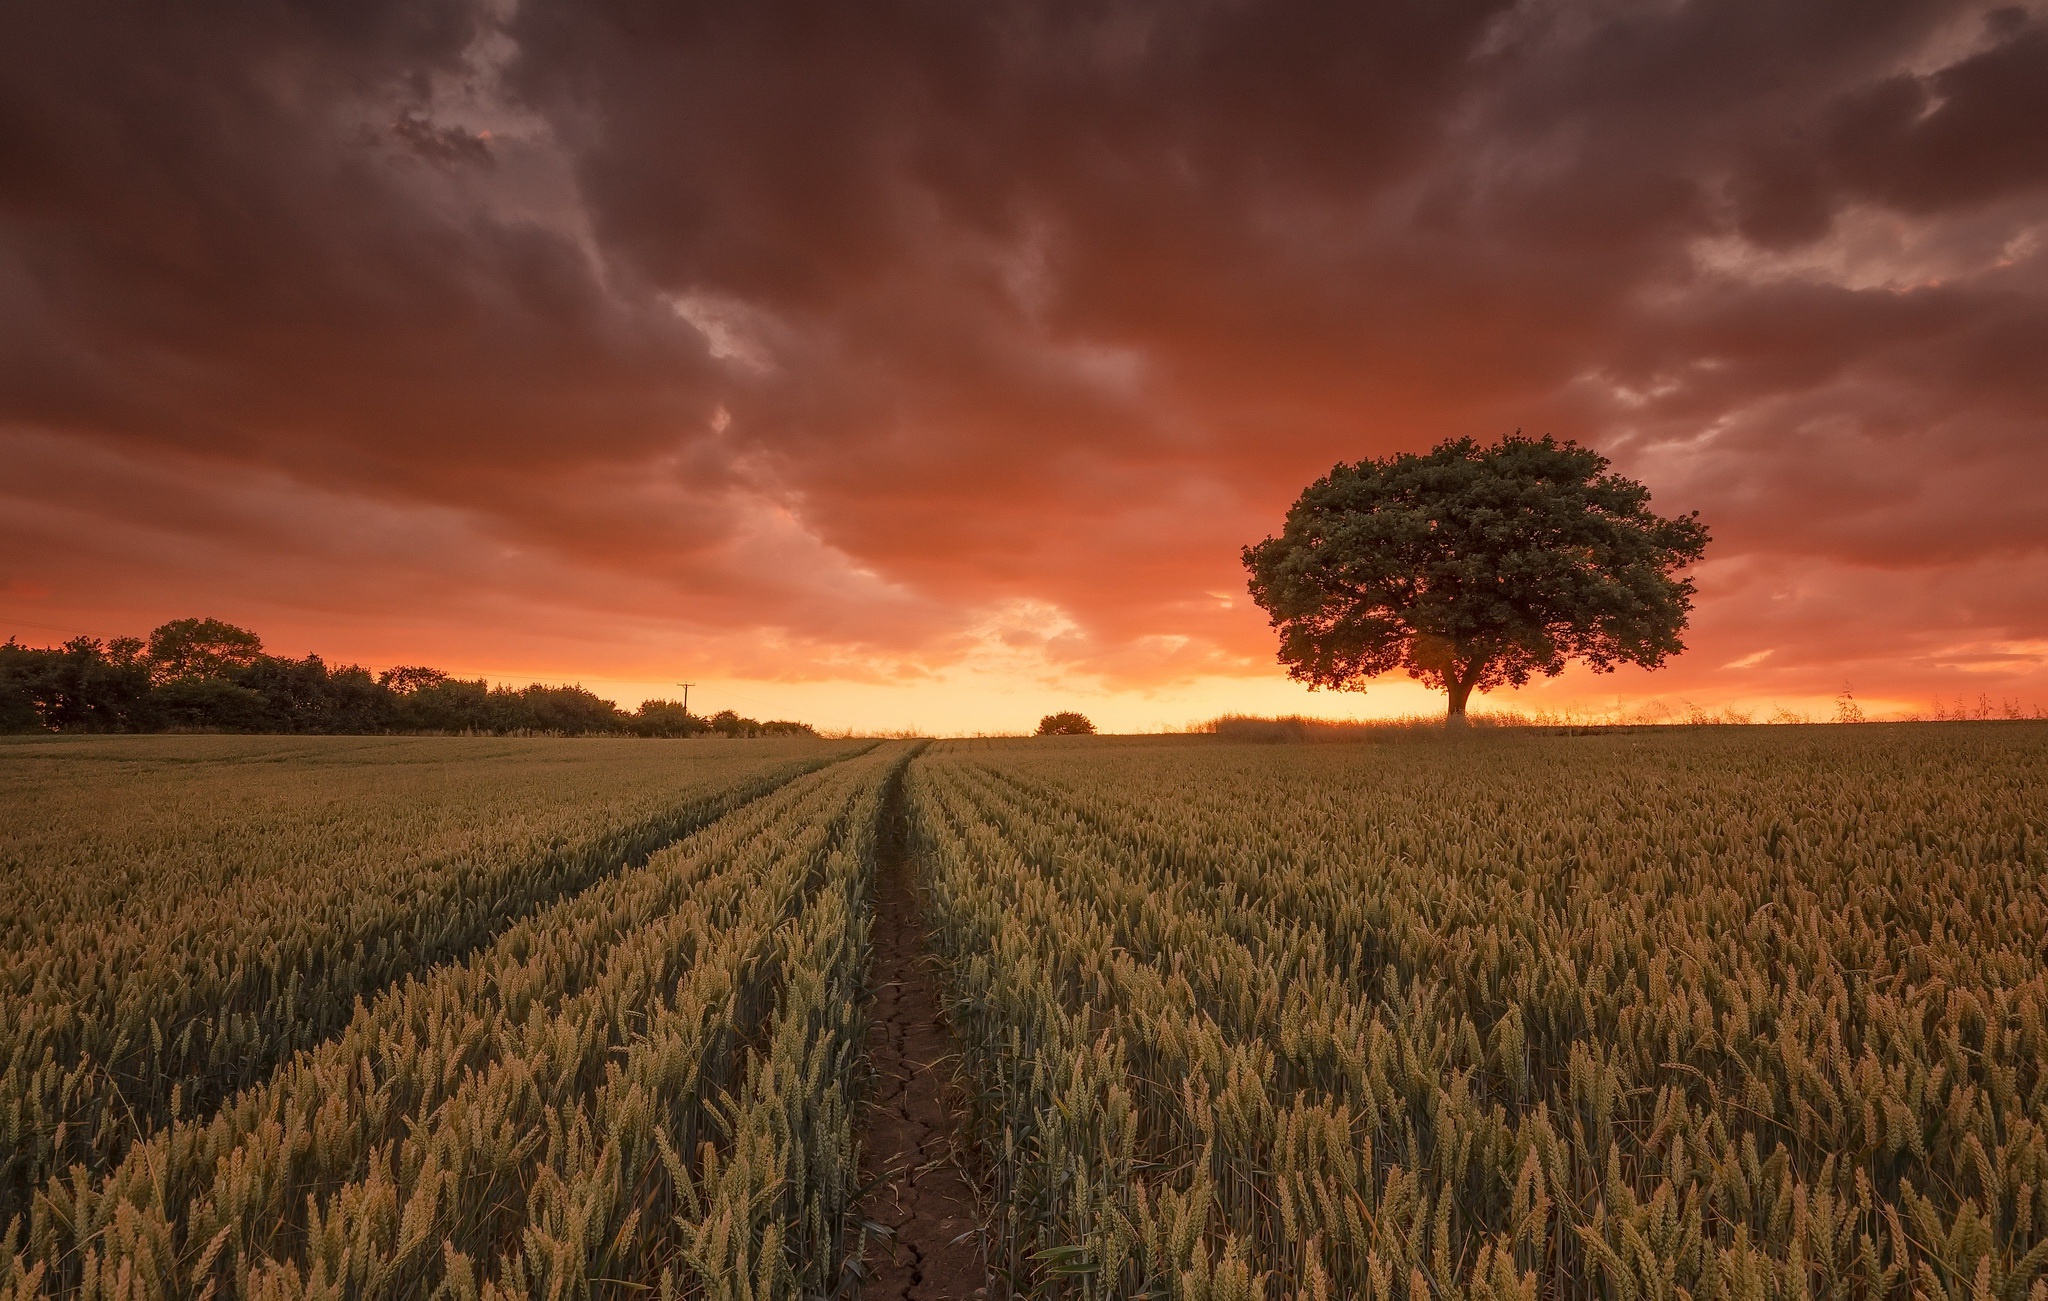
(925, 366)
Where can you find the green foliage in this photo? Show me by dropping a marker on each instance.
(18, 711)
(667, 718)
(1474, 567)
(201, 648)
(408, 678)
(200, 702)
(1712, 1015)
(83, 686)
(1065, 723)
(205, 675)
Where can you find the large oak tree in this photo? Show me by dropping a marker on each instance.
(1474, 567)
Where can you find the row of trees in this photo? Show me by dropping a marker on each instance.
(206, 675)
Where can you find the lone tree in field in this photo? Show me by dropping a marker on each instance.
(1472, 567)
(1065, 723)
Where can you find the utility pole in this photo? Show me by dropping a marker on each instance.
(686, 696)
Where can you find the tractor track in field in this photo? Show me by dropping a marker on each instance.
(915, 1153)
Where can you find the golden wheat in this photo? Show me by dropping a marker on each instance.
(1630, 1015)
(471, 1128)
(1637, 1015)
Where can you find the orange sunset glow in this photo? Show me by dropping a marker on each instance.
(924, 366)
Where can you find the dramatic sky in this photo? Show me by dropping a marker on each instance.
(927, 362)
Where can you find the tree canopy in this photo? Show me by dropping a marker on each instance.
(1474, 567)
(202, 648)
(1065, 723)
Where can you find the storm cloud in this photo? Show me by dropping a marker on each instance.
(836, 340)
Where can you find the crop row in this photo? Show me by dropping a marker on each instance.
(119, 830)
(1536, 1018)
(641, 1087)
(171, 1002)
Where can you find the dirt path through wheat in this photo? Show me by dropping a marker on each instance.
(914, 1150)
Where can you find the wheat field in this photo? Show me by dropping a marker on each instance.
(1720, 1013)
(1646, 1013)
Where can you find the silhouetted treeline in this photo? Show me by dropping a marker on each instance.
(202, 674)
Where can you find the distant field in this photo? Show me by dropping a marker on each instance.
(1741, 1012)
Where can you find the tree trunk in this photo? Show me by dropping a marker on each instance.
(1460, 688)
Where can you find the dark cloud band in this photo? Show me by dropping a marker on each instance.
(854, 327)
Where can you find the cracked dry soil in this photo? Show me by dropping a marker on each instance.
(913, 1154)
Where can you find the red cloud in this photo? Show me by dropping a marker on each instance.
(862, 343)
